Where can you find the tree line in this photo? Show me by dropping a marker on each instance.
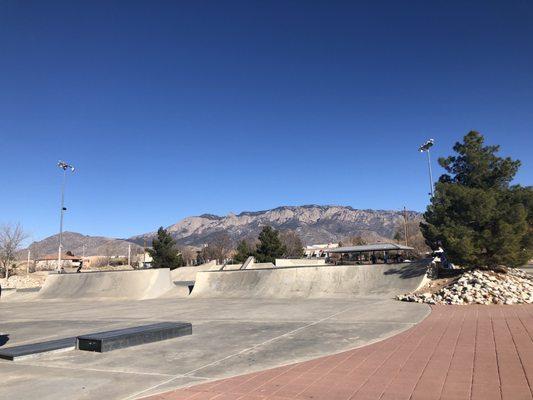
(269, 245)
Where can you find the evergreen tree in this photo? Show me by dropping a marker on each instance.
(270, 246)
(398, 236)
(244, 250)
(475, 215)
(163, 252)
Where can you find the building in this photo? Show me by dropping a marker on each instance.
(49, 262)
(319, 250)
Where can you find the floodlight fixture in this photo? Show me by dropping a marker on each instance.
(64, 166)
(426, 146)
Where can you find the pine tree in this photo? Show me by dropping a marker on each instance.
(475, 215)
(244, 250)
(163, 252)
(398, 236)
(270, 246)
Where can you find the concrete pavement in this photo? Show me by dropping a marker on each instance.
(230, 337)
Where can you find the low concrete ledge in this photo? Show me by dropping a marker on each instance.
(36, 349)
(121, 338)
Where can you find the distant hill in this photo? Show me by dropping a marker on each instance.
(314, 224)
(73, 242)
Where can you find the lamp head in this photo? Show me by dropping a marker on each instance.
(64, 166)
(426, 146)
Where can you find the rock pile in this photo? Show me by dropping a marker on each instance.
(480, 287)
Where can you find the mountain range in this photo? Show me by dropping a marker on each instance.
(75, 242)
(313, 223)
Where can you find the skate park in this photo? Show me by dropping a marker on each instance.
(244, 319)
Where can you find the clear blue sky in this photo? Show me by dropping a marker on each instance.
(170, 109)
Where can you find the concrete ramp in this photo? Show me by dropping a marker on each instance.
(345, 281)
(182, 274)
(139, 284)
(188, 274)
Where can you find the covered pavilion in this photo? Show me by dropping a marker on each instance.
(371, 253)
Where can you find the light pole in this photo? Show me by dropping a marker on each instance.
(425, 148)
(64, 166)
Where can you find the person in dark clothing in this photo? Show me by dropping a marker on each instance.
(80, 266)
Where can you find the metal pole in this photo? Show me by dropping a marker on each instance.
(60, 249)
(430, 174)
(405, 224)
(144, 253)
(28, 265)
(425, 147)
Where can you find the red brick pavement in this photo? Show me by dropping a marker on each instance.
(456, 353)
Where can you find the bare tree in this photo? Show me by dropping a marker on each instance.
(188, 254)
(294, 247)
(414, 235)
(107, 255)
(356, 241)
(218, 249)
(11, 236)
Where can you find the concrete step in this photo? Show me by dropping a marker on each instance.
(121, 338)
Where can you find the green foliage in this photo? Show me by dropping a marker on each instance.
(398, 236)
(244, 250)
(270, 246)
(474, 215)
(163, 252)
(478, 166)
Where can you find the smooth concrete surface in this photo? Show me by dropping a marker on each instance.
(230, 337)
(341, 281)
(138, 284)
(188, 274)
(254, 265)
(299, 262)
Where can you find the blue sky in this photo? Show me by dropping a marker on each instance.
(170, 109)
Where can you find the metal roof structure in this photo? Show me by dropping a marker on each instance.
(369, 247)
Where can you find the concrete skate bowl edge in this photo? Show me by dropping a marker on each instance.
(137, 285)
(344, 281)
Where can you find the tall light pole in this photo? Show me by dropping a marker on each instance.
(425, 148)
(28, 265)
(65, 167)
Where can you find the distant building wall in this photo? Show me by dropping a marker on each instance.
(284, 262)
(319, 250)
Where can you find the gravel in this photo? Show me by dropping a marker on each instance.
(22, 281)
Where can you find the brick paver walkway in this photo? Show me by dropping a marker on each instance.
(458, 352)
